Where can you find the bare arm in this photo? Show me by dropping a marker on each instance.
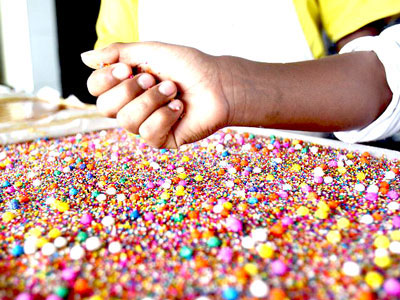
(336, 93)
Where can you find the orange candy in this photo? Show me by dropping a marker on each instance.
(365, 295)
(277, 230)
(81, 286)
(277, 294)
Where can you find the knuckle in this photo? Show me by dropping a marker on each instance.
(103, 108)
(125, 121)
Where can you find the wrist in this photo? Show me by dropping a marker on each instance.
(250, 91)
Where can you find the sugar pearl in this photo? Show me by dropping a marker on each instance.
(108, 221)
(60, 242)
(259, 288)
(93, 243)
(48, 249)
(114, 247)
(76, 252)
(259, 234)
(248, 242)
(351, 268)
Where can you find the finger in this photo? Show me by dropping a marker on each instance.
(103, 79)
(110, 102)
(132, 115)
(157, 128)
(133, 54)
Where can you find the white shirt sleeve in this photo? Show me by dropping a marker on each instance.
(387, 48)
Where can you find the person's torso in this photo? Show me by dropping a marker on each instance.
(263, 30)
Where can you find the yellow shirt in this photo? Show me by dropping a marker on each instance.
(118, 20)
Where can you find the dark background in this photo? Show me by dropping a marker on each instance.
(76, 34)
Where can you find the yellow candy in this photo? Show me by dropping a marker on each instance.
(382, 242)
(374, 280)
(265, 251)
(382, 261)
(343, 223)
(395, 235)
(164, 157)
(198, 178)
(41, 241)
(62, 206)
(182, 176)
(360, 176)
(185, 158)
(302, 211)
(54, 233)
(334, 237)
(295, 142)
(227, 205)
(37, 231)
(165, 196)
(251, 269)
(269, 177)
(101, 183)
(295, 168)
(96, 298)
(323, 206)
(8, 216)
(341, 170)
(180, 193)
(321, 214)
(18, 184)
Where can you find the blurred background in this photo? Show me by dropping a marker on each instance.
(41, 42)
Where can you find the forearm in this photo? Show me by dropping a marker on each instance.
(340, 92)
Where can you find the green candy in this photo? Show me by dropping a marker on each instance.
(213, 242)
(82, 236)
(61, 291)
(186, 252)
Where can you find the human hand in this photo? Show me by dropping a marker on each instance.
(144, 107)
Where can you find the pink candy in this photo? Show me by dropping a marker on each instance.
(393, 195)
(68, 274)
(392, 287)
(234, 224)
(396, 222)
(225, 254)
(86, 219)
(149, 216)
(278, 267)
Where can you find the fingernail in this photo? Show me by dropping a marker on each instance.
(88, 59)
(145, 81)
(121, 72)
(167, 88)
(174, 105)
(87, 53)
